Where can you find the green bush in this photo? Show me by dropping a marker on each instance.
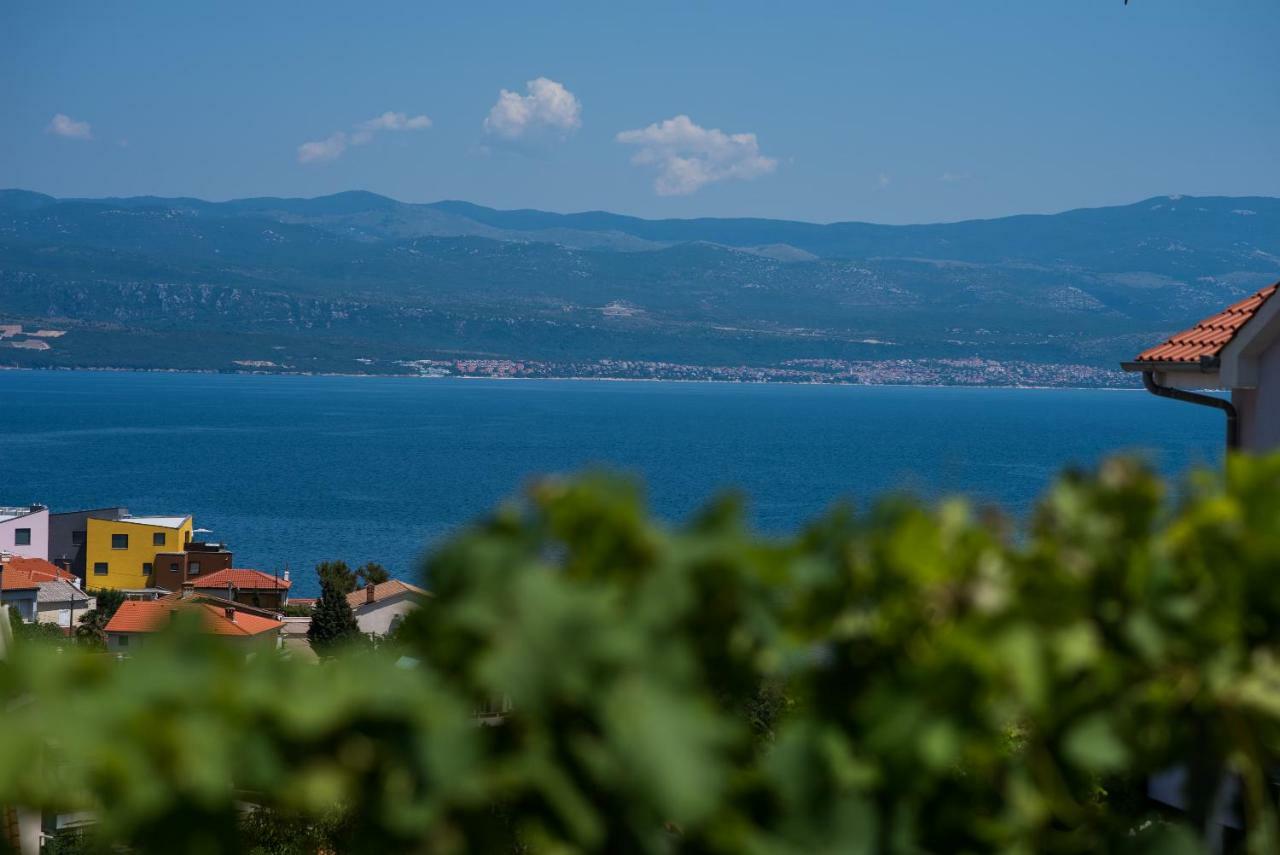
(904, 679)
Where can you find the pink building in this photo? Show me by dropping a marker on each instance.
(25, 531)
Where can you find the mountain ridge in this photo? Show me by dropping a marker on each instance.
(323, 283)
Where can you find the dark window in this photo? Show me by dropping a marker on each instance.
(22, 536)
(119, 541)
(77, 538)
(100, 568)
(158, 538)
(122, 641)
(173, 567)
(193, 567)
(146, 568)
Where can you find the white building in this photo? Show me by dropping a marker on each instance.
(1235, 350)
(380, 608)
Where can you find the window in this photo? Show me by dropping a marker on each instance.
(77, 538)
(147, 568)
(22, 537)
(193, 568)
(122, 641)
(119, 541)
(100, 568)
(158, 538)
(173, 567)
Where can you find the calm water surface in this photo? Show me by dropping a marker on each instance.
(301, 469)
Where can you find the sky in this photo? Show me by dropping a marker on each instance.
(893, 112)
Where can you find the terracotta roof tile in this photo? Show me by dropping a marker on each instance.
(1211, 335)
(242, 578)
(384, 590)
(153, 615)
(44, 571)
(21, 574)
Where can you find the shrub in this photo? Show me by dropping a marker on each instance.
(905, 679)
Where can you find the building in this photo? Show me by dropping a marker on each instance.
(380, 608)
(68, 536)
(41, 591)
(247, 587)
(1235, 350)
(121, 553)
(136, 621)
(25, 531)
(174, 569)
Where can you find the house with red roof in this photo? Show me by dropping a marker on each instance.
(380, 608)
(137, 621)
(42, 591)
(250, 587)
(1236, 350)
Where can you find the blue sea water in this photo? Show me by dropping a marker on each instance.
(295, 470)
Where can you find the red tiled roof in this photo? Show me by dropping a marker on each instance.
(384, 590)
(240, 578)
(19, 573)
(153, 615)
(1207, 338)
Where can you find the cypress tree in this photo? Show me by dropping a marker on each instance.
(333, 622)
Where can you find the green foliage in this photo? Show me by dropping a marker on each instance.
(37, 631)
(333, 625)
(372, 573)
(338, 575)
(905, 679)
(92, 630)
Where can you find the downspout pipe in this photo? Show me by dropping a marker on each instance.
(1233, 421)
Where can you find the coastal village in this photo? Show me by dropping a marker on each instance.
(56, 566)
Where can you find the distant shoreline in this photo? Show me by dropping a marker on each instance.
(408, 376)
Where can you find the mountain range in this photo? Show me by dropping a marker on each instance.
(360, 283)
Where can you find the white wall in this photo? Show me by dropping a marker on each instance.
(379, 617)
(1259, 409)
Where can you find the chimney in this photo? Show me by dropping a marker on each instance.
(368, 593)
(188, 590)
(286, 574)
(231, 591)
(231, 614)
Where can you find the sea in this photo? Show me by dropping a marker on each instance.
(289, 471)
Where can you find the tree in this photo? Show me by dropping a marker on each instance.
(337, 574)
(93, 623)
(372, 573)
(333, 624)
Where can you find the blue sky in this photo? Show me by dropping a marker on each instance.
(883, 111)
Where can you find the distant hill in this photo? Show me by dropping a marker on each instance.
(359, 282)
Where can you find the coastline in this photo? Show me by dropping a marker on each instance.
(428, 377)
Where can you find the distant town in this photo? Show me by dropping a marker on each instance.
(890, 372)
(111, 580)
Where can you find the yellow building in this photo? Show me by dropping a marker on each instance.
(122, 553)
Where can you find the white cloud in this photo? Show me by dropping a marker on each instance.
(688, 156)
(953, 177)
(883, 181)
(332, 147)
(549, 108)
(320, 151)
(390, 121)
(65, 126)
